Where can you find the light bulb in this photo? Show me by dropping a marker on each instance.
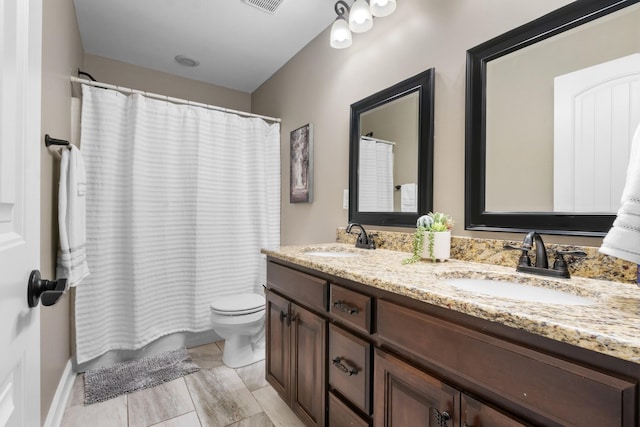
(340, 34)
(382, 8)
(360, 19)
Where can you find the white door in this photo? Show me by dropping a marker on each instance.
(20, 52)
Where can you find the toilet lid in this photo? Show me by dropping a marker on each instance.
(238, 304)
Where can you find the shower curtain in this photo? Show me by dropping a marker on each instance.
(180, 199)
(375, 176)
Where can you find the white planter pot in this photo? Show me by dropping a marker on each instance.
(441, 245)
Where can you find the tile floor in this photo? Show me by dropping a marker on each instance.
(215, 396)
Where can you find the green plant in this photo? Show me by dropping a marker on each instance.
(433, 222)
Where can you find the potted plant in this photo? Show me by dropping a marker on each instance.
(432, 238)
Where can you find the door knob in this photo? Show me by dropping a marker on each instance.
(49, 290)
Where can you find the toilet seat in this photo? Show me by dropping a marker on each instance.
(237, 305)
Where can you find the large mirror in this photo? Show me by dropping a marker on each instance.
(552, 107)
(391, 154)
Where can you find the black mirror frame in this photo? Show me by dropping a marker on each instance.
(424, 84)
(476, 217)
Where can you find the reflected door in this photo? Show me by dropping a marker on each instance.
(596, 112)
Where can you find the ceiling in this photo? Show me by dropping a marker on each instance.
(238, 45)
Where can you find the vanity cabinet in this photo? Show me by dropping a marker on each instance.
(348, 354)
(295, 357)
(557, 391)
(407, 396)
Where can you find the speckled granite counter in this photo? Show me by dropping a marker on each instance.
(610, 326)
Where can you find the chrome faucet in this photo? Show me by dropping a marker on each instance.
(560, 268)
(363, 240)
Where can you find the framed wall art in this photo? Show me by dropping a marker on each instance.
(301, 180)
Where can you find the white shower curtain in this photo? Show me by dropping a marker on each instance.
(375, 176)
(180, 199)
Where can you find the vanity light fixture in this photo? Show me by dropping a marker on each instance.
(359, 20)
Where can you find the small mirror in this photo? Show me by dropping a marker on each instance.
(391, 154)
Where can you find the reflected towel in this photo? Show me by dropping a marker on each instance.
(623, 240)
(72, 255)
(409, 197)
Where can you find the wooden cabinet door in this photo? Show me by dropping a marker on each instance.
(308, 361)
(278, 343)
(477, 414)
(406, 396)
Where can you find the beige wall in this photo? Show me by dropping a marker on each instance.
(61, 57)
(319, 84)
(115, 72)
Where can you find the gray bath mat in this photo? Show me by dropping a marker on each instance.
(106, 383)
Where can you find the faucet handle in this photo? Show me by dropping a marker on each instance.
(372, 242)
(572, 252)
(560, 264)
(524, 258)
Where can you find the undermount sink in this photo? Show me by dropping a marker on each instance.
(518, 291)
(332, 251)
(332, 254)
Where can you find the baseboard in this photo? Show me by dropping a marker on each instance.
(60, 399)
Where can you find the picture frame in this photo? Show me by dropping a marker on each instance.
(301, 169)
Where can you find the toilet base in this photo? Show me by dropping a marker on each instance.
(239, 351)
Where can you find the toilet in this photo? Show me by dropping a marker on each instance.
(239, 319)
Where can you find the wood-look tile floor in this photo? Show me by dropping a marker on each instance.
(215, 396)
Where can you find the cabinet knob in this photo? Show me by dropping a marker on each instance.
(285, 316)
(442, 418)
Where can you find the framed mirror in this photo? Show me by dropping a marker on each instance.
(391, 154)
(550, 114)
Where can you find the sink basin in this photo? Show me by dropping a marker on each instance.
(332, 254)
(518, 291)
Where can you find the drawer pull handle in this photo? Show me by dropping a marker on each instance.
(442, 418)
(345, 308)
(337, 362)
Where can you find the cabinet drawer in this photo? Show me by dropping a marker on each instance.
(350, 307)
(340, 415)
(303, 288)
(563, 392)
(350, 367)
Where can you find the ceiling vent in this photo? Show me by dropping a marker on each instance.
(269, 6)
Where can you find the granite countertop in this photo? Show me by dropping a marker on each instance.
(608, 326)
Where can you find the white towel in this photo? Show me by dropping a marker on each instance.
(409, 197)
(72, 255)
(623, 240)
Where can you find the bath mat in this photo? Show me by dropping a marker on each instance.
(122, 378)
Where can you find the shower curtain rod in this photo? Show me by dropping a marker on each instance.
(383, 141)
(172, 99)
